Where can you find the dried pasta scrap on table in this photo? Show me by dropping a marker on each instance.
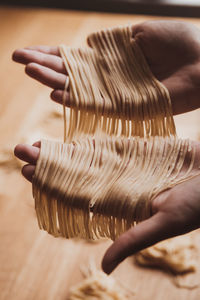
(8, 160)
(99, 286)
(54, 114)
(177, 255)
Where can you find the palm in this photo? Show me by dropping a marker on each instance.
(172, 50)
(180, 207)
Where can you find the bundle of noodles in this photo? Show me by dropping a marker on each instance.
(121, 147)
(94, 188)
(113, 90)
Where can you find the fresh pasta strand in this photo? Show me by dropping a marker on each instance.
(64, 109)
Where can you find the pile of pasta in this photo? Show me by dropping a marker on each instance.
(120, 146)
(99, 286)
(175, 255)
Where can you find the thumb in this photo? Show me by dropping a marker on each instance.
(143, 235)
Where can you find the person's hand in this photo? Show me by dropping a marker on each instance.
(174, 212)
(171, 48)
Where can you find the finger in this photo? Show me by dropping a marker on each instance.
(27, 153)
(37, 144)
(25, 56)
(45, 49)
(28, 172)
(46, 76)
(141, 236)
(57, 96)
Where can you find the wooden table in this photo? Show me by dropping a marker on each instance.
(33, 264)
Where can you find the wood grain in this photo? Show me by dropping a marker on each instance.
(33, 264)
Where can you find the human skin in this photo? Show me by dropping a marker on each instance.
(172, 50)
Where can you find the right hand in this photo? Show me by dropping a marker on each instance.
(175, 211)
